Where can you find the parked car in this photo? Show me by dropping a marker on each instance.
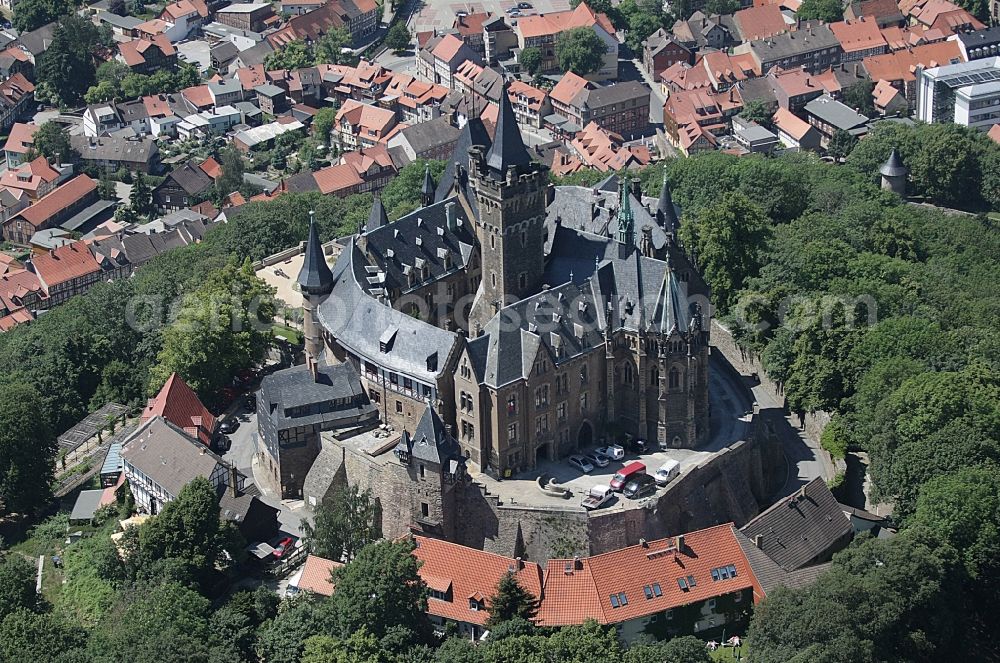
(516, 13)
(229, 426)
(524, 5)
(284, 546)
(597, 497)
(612, 451)
(512, 10)
(597, 459)
(222, 443)
(638, 486)
(667, 472)
(638, 446)
(581, 463)
(625, 474)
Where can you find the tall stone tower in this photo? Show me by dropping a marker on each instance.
(510, 194)
(894, 174)
(316, 282)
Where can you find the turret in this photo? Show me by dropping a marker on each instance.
(894, 174)
(377, 217)
(427, 189)
(316, 282)
(666, 213)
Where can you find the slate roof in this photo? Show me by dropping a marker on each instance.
(799, 529)
(836, 114)
(473, 133)
(294, 388)
(110, 148)
(430, 441)
(315, 276)
(770, 575)
(426, 136)
(86, 505)
(507, 149)
(350, 314)
(893, 167)
(168, 456)
(377, 217)
(191, 178)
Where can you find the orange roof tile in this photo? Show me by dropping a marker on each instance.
(760, 22)
(579, 590)
(334, 179)
(317, 575)
(57, 200)
(787, 122)
(883, 93)
(16, 53)
(64, 263)
(465, 573)
(859, 35)
(567, 88)
(21, 138)
(198, 96)
(157, 105)
(583, 16)
(177, 403)
(447, 48)
(211, 168)
(471, 24)
(901, 65)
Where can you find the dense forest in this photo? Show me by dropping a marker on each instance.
(881, 312)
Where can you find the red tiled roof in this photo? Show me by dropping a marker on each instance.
(760, 22)
(859, 35)
(15, 87)
(448, 48)
(567, 88)
(57, 200)
(15, 285)
(64, 263)
(468, 573)
(333, 179)
(199, 96)
(371, 121)
(316, 575)
(579, 590)
(902, 65)
(531, 95)
(308, 26)
(556, 22)
(787, 122)
(16, 53)
(471, 24)
(362, 160)
(211, 168)
(18, 317)
(20, 139)
(178, 404)
(157, 106)
(179, 9)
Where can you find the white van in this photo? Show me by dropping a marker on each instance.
(667, 472)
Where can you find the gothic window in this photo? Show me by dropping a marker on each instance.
(542, 396)
(628, 374)
(512, 432)
(561, 411)
(583, 402)
(675, 378)
(654, 375)
(466, 373)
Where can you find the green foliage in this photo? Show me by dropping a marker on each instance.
(345, 523)
(685, 649)
(402, 195)
(714, 7)
(511, 601)
(282, 639)
(66, 68)
(293, 55)
(27, 446)
(51, 140)
(757, 110)
(33, 14)
(978, 8)
(141, 196)
(322, 123)
(530, 58)
(824, 10)
(640, 18)
(580, 50)
(725, 239)
(26, 635)
(231, 179)
(859, 97)
(17, 584)
(380, 590)
(841, 143)
(398, 37)
(330, 47)
(222, 327)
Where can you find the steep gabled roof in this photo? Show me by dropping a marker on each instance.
(508, 149)
(177, 403)
(315, 276)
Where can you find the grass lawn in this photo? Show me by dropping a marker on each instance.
(729, 654)
(293, 336)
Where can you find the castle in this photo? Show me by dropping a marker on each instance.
(503, 323)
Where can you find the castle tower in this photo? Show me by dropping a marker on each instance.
(674, 329)
(626, 218)
(510, 195)
(427, 189)
(316, 282)
(666, 213)
(894, 174)
(377, 217)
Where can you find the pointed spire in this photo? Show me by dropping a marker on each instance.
(508, 148)
(427, 189)
(315, 277)
(666, 214)
(894, 167)
(626, 220)
(671, 311)
(377, 217)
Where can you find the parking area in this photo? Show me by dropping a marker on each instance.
(440, 14)
(731, 411)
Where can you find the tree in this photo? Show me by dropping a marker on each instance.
(824, 10)
(17, 584)
(222, 327)
(947, 168)
(187, 529)
(141, 196)
(282, 639)
(726, 239)
(685, 649)
(330, 48)
(757, 110)
(531, 59)
(345, 523)
(106, 189)
(380, 590)
(66, 68)
(323, 123)
(27, 448)
(580, 50)
(232, 171)
(719, 7)
(859, 97)
(510, 601)
(39, 637)
(841, 144)
(52, 141)
(398, 37)
(33, 14)
(294, 55)
(102, 91)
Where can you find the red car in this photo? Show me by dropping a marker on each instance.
(283, 546)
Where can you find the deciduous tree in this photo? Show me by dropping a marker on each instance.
(345, 523)
(398, 37)
(580, 50)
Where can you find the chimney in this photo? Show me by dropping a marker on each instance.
(577, 564)
(451, 219)
(642, 542)
(637, 188)
(233, 480)
(680, 542)
(447, 431)
(520, 563)
(759, 541)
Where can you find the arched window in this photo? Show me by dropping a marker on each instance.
(675, 378)
(628, 374)
(654, 376)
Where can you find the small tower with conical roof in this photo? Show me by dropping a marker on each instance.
(377, 217)
(894, 174)
(427, 189)
(626, 218)
(316, 282)
(666, 213)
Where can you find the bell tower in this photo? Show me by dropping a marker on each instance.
(510, 194)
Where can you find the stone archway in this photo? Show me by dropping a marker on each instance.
(585, 436)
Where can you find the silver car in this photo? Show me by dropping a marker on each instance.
(581, 463)
(597, 459)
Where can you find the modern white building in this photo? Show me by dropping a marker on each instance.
(967, 93)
